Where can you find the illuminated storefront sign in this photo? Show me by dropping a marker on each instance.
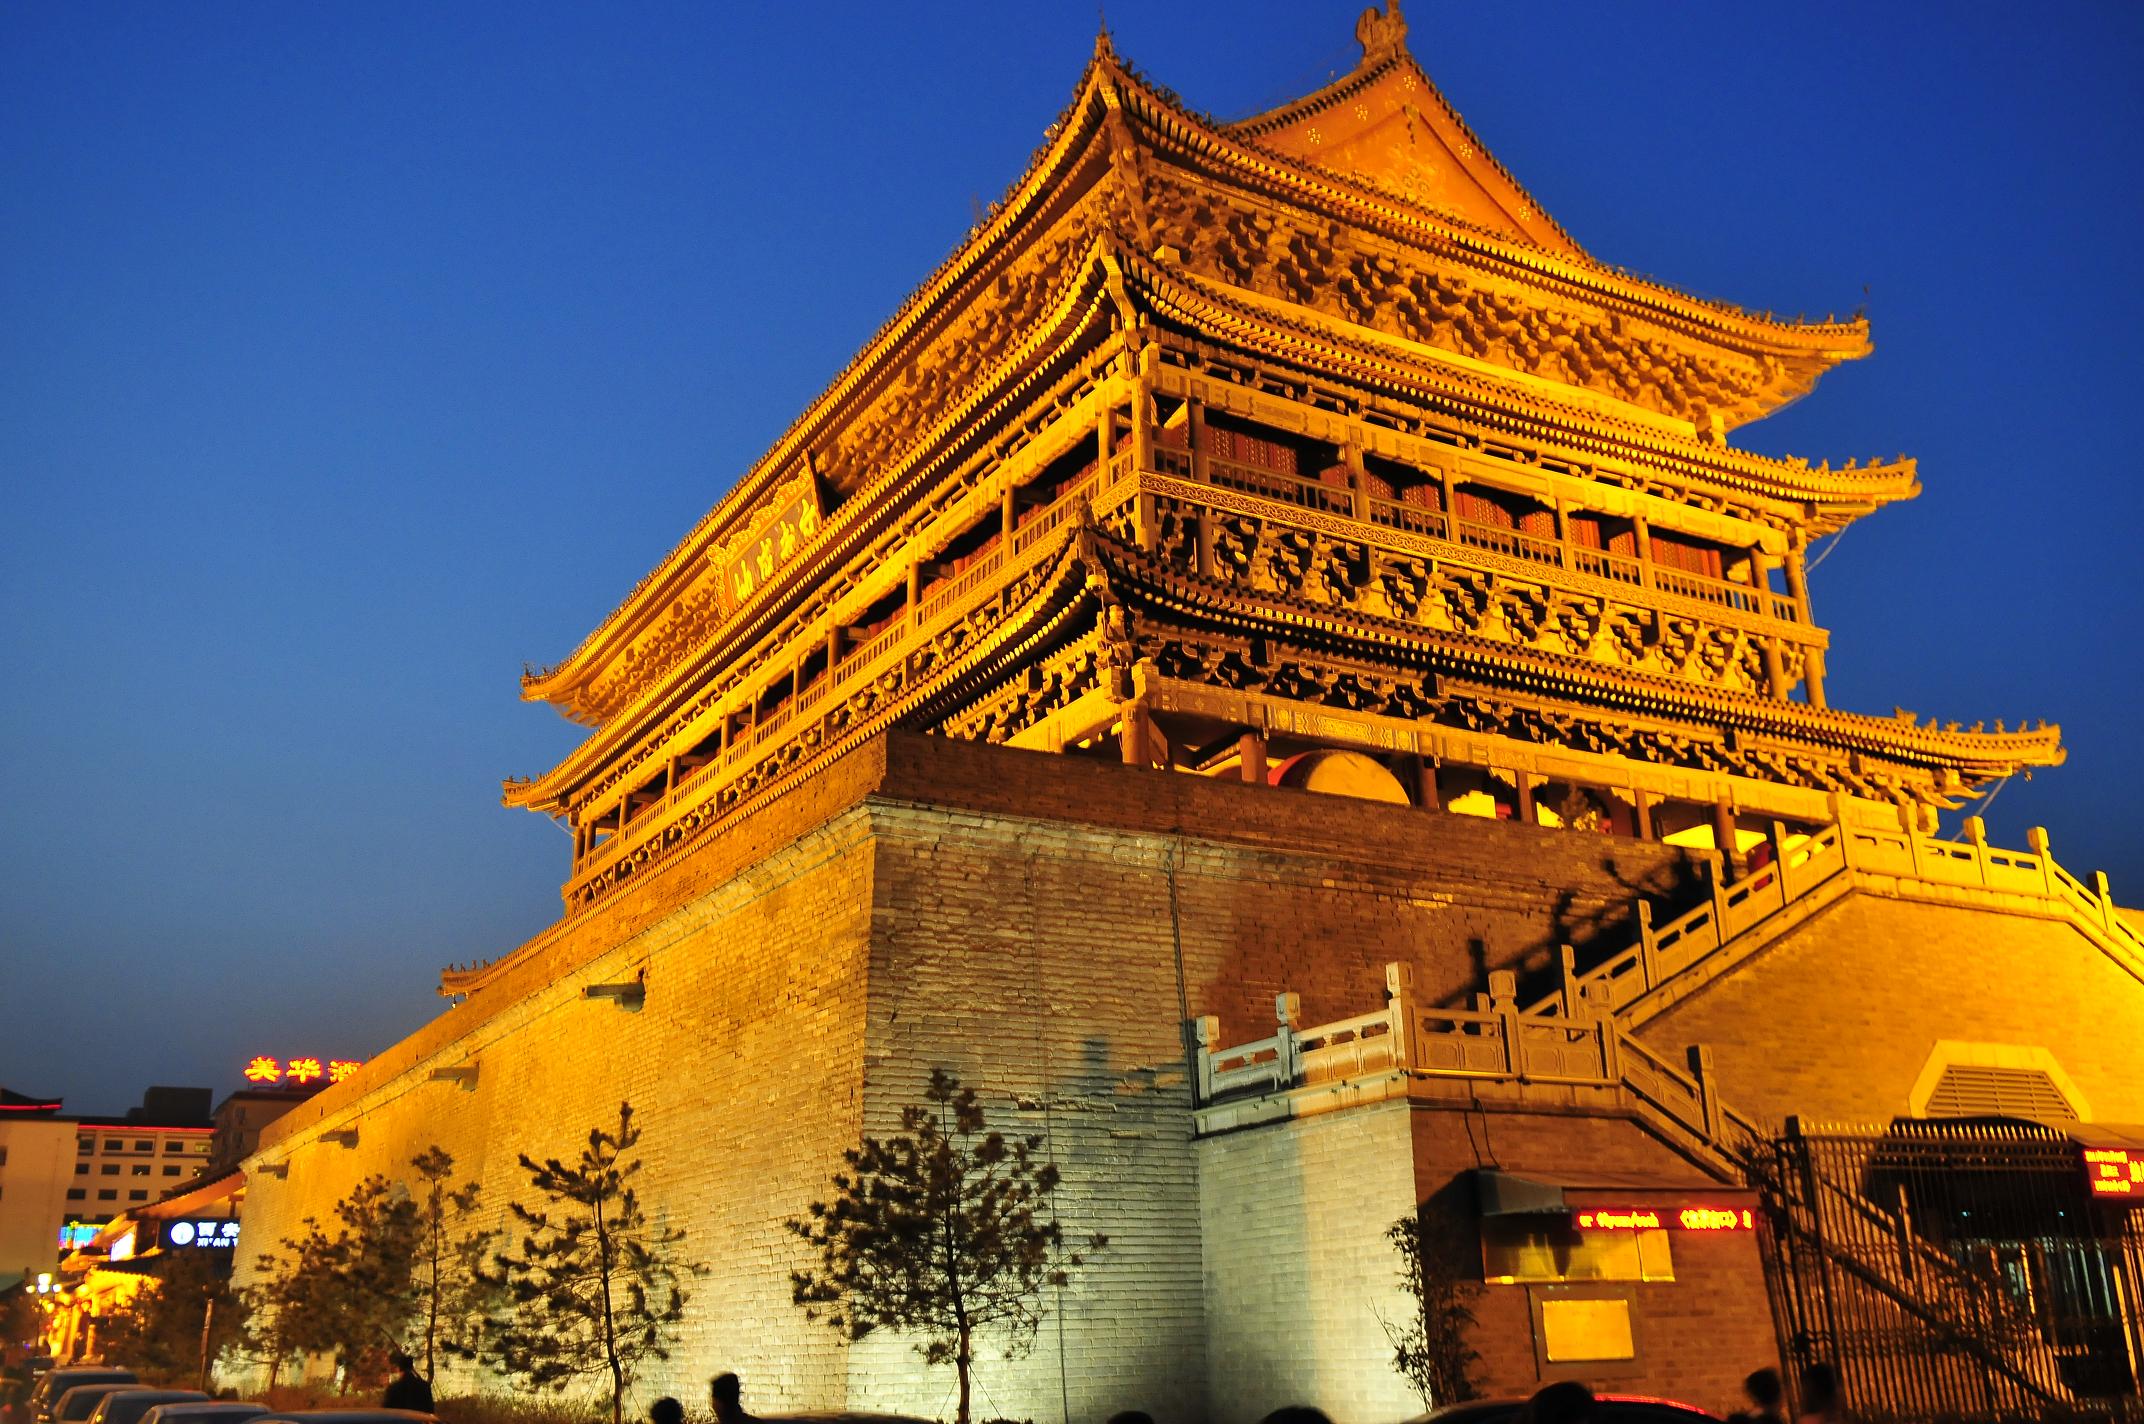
(1689, 1218)
(2114, 1172)
(205, 1234)
(77, 1234)
(301, 1071)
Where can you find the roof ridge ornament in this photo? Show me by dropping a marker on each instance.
(1382, 33)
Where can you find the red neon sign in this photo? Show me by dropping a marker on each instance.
(1689, 1218)
(2114, 1172)
(301, 1071)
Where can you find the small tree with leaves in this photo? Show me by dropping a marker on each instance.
(349, 1295)
(455, 1303)
(1438, 1272)
(943, 1232)
(175, 1323)
(596, 1288)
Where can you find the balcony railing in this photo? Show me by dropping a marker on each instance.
(1495, 1041)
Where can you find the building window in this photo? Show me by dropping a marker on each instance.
(85, 1145)
(176, 1145)
(137, 1196)
(144, 1145)
(171, 1171)
(107, 1194)
(109, 1169)
(76, 1194)
(141, 1169)
(3, 1156)
(81, 1169)
(1521, 1249)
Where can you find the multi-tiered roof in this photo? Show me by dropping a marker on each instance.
(1224, 447)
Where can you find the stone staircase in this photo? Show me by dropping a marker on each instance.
(1809, 874)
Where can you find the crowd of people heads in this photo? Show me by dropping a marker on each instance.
(1563, 1402)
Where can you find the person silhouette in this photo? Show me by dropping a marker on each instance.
(1564, 1402)
(408, 1389)
(727, 1395)
(666, 1411)
(1766, 1393)
(1820, 1395)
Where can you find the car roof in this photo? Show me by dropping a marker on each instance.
(95, 1386)
(193, 1408)
(1474, 1408)
(124, 1392)
(345, 1416)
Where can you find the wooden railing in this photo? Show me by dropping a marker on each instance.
(1272, 484)
(1546, 550)
(851, 668)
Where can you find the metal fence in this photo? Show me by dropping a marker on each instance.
(1953, 1270)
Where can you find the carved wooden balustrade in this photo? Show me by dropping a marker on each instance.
(1462, 535)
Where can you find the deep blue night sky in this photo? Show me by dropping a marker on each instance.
(352, 354)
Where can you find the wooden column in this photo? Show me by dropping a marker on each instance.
(1775, 669)
(1009, 517)
(1645, 548)
(1526, 798)
(1643, 802)
(1195, 432)
(1425, 782)
(1723, 836)
(1132, 734)
(915, 588)
(1358, 486)
(1251, 749)
(1798, 590)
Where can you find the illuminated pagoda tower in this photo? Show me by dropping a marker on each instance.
(1223, 463)
(1224, 448)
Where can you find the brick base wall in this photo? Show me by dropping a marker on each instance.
(1041, 925)
(1300, 1278)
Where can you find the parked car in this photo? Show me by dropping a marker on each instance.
(81, 1401)
(1607, 1409)
(55, 1382)
(205, 1411)
(126, 1406)
(345, 1416)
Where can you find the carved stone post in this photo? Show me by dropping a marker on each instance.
(1206, 1030)
(1504, 1003)
(1399, 988)
(1648, 946)
(1251, 750)
(1708, 1094)
(2036, 841)
(1288, 1011)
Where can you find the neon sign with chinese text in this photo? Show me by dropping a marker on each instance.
(2114, 1172)
(302, 1072)
(1689, 1218)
